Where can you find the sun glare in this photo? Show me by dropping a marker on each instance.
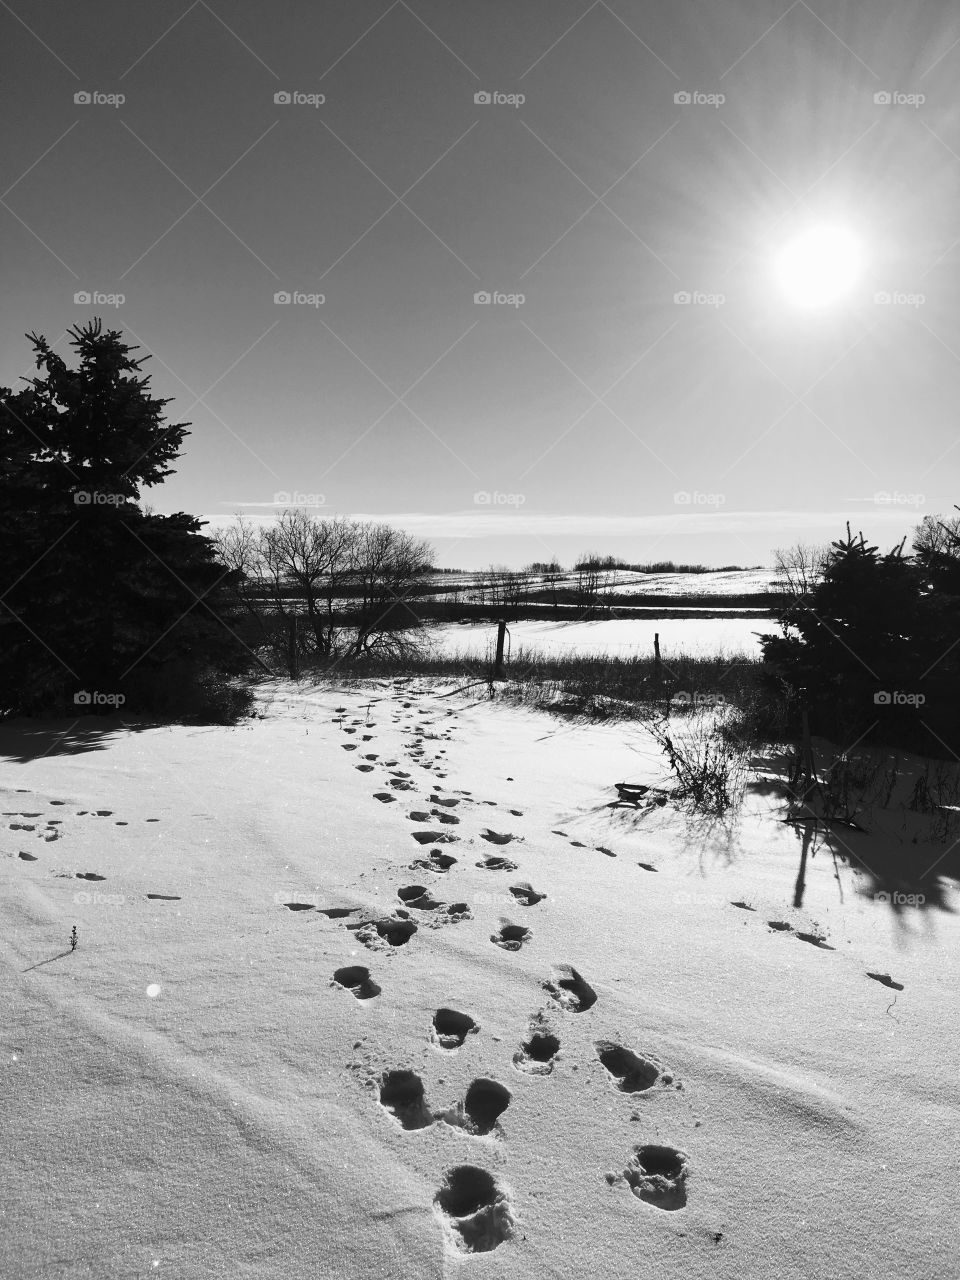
(818, 267)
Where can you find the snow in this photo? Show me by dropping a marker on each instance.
(189, 1094)
(620, 637)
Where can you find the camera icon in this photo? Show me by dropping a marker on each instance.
(481, 498)
(482, 99)
(82, 299)
(682, 498)
(82, 98)
(282, 299)
(882, 99)
(881, 897)
(482, 299)
(82, 498)
(82, 698)
(682, 98)
(883, 298)
(882, 699)
(682, 298)
(681, 698)
(282, 98)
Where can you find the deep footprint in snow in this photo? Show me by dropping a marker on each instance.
(356, 978)
(744, 906)
(349, 746)
(364, 768)
(448, 819)
(418, 815)
(481, 1109)
(396, 932)
(448, 804)
(526, 895)
(816, 940)
(433, 837)
(511, 937)
(570, 990)
(291, 906)
(437, 861)
(629, 1072)
(658, 1176)
(603, 849)
(172, 897)
(781, 926)
(496, 837)
(384, 797)
(337, 913)
(647, 866)
(418, 897)
(450, 1029)
(883, 978)
(401, 1093)
(474, 1209)
(537, 1053)
(89, 875)
(496, 864)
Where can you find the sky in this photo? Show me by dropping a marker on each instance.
(619, 180)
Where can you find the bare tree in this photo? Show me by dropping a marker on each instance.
(799, 569)
(387, 572)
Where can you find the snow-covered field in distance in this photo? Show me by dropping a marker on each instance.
(618, 637)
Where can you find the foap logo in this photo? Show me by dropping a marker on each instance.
(488, 98)
(882, 698)
(294, 98)
(685, 699)
(694, 498)
(695, 98)
(86, 298)
(298, 499)
(894, 498)
(898, 899)
(899, 299)
(94, 98)
(686, 298)
(84, 698)
(95, 899)
(484, 498)
(91, 498)
(894, 98)
(484, 298)
(286, 298)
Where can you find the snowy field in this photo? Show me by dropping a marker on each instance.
(618, 637)
(242, 1071)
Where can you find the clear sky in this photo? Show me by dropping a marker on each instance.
(600, 412)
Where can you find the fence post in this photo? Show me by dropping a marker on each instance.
(293, 651)
(656, 655)
(501, 635)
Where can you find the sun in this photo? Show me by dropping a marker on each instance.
(819, 266)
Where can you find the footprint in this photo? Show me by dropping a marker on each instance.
(418, 897)
(816, 940)
(450, 1028)
(399, 773)
(744, 906)
(630, 1073)
(364, 768)
(496, 864)
(104, 813)
(658, 1176)
(877, 977)
(175, 897)
(448, 819)
(647, 866)
(399, 785)
(578, 844)
(291, 906)
(401, 1093)
(537, 1053)
(89, 875)
(437, 861)
(559, 833)
(151, 819)
(516, 813)
(449, 803)
(570, 990)
(781, 926)
(479, 1112)
(384, 797)
(349, 746)
(27, 857)
(372, 756)
(526, 895)
(511, 937)
(602, 849)
(396, 932)
(496, 837)
(418, 815)
(474, 1209)
(338, 913)
(356, 978)
(434, 837)
(22, 826)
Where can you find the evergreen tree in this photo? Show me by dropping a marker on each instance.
(99, 596)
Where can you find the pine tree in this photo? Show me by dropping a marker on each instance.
(97, 594)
